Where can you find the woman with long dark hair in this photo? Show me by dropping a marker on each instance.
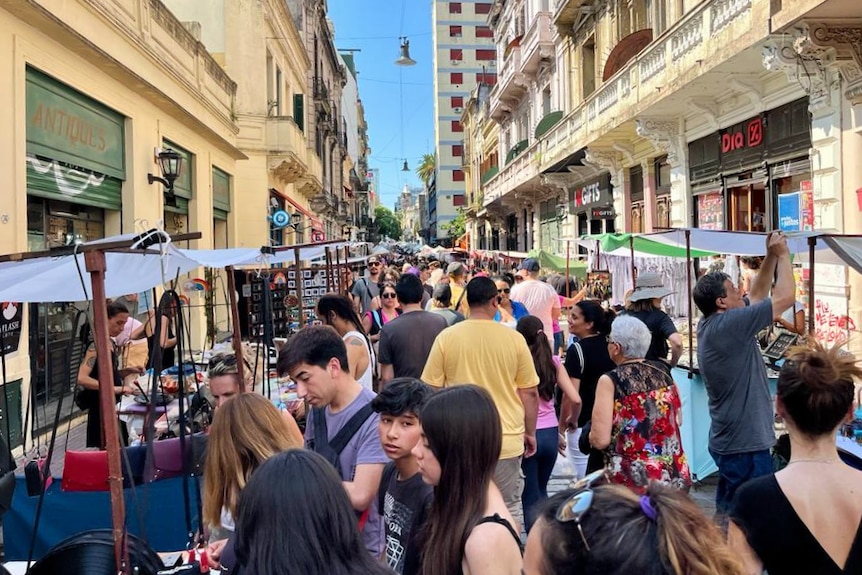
(470, 529)
(586, 361)
(295, 519)
(338, 311)
(537, 469)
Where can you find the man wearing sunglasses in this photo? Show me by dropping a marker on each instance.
(366, 289)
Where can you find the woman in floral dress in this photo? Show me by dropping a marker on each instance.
(638, 413)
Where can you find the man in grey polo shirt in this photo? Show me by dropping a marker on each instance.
(729, 359)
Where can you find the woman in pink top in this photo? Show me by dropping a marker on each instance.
(537, 469)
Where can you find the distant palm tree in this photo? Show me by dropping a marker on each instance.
(426, 168)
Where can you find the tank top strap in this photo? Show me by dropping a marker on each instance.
(495, 518)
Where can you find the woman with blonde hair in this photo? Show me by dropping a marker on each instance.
(610, 530)
(806, 518)
(246, 431)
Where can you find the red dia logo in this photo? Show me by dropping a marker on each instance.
(755, 133)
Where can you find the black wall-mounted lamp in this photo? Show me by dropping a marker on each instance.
(171, 166)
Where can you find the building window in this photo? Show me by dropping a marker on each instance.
(486, 78)
(458, 200)
(484, 32)
(456, 78)
(454, 7)
(486, 54)
(482, 7)
(457, 176)
(588, 71)
(456, 126)
(457, 101)
(457, 150)
(662, 176)
(456, 54)
(455, 31)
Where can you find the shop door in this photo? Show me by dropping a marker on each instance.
(748, 207)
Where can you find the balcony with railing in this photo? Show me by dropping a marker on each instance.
(511, 84)
(286, 148)
(522, 167)
(566, 13)
(693, 45)
(537, 43)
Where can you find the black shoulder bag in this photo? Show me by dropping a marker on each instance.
(331, 450)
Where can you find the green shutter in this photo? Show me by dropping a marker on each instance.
(65, 125)
(55, 180)
(547, 123)
(221, 190)
(299, 111)
(183, 184)
(219, 214)
(182, 206)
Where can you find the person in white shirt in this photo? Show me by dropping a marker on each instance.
(537, 296)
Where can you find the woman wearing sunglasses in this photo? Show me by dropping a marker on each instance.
(637, 413)
(806, 518)
(610, 530)
(469, 530)
(508, 312)
(372, 321)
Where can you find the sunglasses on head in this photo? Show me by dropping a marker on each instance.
(388, 295)
(575, 507)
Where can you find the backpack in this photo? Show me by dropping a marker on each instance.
(388, 472)
(331, 450)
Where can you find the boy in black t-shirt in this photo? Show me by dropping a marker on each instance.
(404, 500)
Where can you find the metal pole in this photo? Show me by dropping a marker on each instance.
(299, 281)
(812, 242)
(632, 251)
(328, 269)
(234, 320)
(690, 318)
(95, 265)
(568, 291)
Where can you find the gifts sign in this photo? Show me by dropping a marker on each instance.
(10, 325)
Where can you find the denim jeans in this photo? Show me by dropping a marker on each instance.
(537, 472)
(734, 470)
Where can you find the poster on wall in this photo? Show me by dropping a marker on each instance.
(710, 211)
(807, 205)
(789, 212)
(11, 314)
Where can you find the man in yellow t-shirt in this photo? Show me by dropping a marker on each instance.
(495, 357)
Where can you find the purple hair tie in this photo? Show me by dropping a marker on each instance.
(647, 508)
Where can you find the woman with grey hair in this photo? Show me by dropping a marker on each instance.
(638, 413)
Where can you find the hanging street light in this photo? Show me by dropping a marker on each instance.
(405, 59)
(405, 167)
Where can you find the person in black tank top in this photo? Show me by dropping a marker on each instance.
(457, 454)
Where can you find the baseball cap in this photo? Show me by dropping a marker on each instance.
(373, 260)
(530, 265)
(455, 269)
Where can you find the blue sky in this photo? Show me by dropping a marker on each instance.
(373, 26)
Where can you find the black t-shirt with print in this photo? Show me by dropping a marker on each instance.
(406, 505)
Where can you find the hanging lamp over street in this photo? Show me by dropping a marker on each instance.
(405, 59)
(405, 168)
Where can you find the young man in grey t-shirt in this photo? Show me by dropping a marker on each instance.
(367, 288)
(729, 359)
(316, 360)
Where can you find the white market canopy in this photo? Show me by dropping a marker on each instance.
(63, 277)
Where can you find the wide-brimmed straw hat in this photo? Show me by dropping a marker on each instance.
(649, 286)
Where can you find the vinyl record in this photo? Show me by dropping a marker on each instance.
(92, 553)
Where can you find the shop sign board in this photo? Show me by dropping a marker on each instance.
(743, 142)
(606, 213)
(65, 125)
(789, 212)
(807, 206)
(595, 193)
(11, 314)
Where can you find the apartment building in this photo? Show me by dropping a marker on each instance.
(684, 113)
(464, 55)
(88, 100)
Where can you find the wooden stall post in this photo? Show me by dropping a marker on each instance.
(632, 252)
(95, 265)
(234, 320)
(328, 269)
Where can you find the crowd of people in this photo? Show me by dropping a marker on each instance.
(438, 400)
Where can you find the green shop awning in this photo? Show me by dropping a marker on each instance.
(557, 263)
